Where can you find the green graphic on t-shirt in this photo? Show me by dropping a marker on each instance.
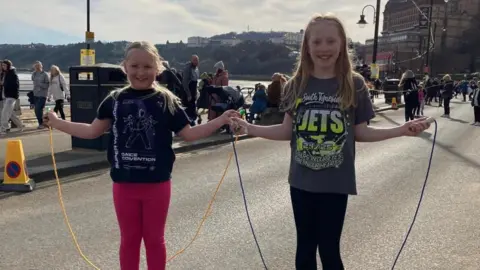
(321, 131)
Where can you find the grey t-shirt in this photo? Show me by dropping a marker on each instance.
(323, 138)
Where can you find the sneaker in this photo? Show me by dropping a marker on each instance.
(41, 127)
(477, 124)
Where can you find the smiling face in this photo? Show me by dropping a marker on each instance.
(141, 69)
(324, 44)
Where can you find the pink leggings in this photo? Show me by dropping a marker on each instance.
(142, 213)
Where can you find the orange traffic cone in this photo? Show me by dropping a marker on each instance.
(394, 103)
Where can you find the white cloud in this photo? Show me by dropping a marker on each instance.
(174, 20)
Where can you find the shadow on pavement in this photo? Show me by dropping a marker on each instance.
(458, 120)
(25, 132)
(448, 148)
(43, 185)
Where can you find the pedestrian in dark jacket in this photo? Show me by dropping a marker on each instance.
(409, 85)
(473, 86)
(169, 78)
(191, 76)
(476, 105)
(447, 94)
(11, 92)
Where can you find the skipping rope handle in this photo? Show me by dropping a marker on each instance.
(45, 115)
(428, 120)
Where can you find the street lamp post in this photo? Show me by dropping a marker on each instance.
(430, 30)
(445, 25)
(362, 22)
(88, 22)
(429, 37)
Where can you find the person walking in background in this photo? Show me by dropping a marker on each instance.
(11, 91)
(476, 106)
(473, 86)
(2, 96)
(421, 100)
(260, 102)
(438, 91)
(58, 89)
(221, 75)
(464, 85)
(274, 90)
(447, 94)
(408, 84)
(191, 74)
(169, 78)
(40, 90)
(219, 79)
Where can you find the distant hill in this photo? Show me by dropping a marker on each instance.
(255, 36)
(254, 56)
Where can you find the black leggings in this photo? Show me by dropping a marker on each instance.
(409, 112)
(190, 106)
(446, 106)
(59, 108)
(319, 220)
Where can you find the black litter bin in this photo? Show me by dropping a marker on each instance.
(390, 88)
(89, 85)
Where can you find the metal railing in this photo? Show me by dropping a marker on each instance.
(27, 85)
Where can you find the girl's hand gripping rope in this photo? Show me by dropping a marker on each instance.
(227, 116)
(49, 118)
(239, 126)
(415, 127)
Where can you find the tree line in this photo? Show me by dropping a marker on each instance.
(247, 58)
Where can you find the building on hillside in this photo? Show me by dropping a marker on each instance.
(277, 40)
(294, 39)
(230, 41)
(289, 39)
(404, 38)
(194, 42)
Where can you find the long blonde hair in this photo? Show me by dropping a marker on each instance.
(172, 102)
(57, 71)
(343, 69)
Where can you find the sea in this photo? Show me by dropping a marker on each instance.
(26, 86)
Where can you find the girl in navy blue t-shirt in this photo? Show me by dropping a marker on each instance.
(142, 118)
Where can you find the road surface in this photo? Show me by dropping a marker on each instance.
(390, 175)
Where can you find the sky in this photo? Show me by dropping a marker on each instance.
(64, 21)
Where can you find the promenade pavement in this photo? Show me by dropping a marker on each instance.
(70, 161)
(390, 175)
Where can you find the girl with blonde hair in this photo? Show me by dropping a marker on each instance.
(142, 117)
(58, 89)
(327, 108)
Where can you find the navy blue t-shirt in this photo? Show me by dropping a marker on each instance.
(140, 148)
